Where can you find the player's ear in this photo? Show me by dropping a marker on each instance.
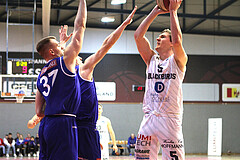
(51, 52)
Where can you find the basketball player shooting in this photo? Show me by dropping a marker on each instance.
(163, 100)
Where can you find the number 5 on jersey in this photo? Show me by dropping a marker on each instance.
(173, 154)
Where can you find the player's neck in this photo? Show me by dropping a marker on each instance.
(164, 54)
(99, 116)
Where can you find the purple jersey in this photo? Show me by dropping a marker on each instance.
(87, 115)
(59, 87)
(88, 110)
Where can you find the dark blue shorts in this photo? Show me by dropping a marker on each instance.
(88, 142)
(58, 138)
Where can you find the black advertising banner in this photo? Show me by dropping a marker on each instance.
(213, 69)
(127, 70)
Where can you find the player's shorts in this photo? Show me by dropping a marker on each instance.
(105, 151)
(58, 138)
(88, 142)
(160, 130)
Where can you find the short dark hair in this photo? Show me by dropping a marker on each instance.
(9, 133)
(41, 44)
(100, 105)
(169, 32)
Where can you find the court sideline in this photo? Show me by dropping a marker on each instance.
(188, 157)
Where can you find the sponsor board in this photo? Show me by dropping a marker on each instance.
(106, 91)
(231, 92)
(214, 136)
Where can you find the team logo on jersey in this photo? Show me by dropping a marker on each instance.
(51, 65)
(141, 151)
(167, 143)
(143, 140)
(161, 76)
(159, 87)
(43, 71)
(141, 157)
(156, 98)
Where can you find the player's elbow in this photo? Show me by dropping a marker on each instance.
(39, 113)
(137, 36)
(80, 25)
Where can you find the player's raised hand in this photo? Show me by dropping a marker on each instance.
(129, 18)
(159, 10)
(64, 37)
(175, 4)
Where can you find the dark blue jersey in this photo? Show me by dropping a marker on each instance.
(59, 87)
(88, 109)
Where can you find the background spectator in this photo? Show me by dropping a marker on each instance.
(131, 143)
(17, 134)
(20, 145)
(2, 146)
(5, 139)
(32, 147)
(26, 140)
(37, 143)
(10, 143)
(120, 149)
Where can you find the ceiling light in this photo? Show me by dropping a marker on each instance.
(116, 2)
(107, 19)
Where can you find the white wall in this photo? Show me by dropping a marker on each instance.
(20, 40)
(126, 119)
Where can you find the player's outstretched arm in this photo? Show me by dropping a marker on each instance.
(74, 47)
(34, 121)
(179, 52)
(92, 61)
(142, 42)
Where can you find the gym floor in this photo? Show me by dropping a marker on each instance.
(190, 157)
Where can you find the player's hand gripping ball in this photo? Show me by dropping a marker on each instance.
(163, 4)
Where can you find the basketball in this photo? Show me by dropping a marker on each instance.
(163, 4)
